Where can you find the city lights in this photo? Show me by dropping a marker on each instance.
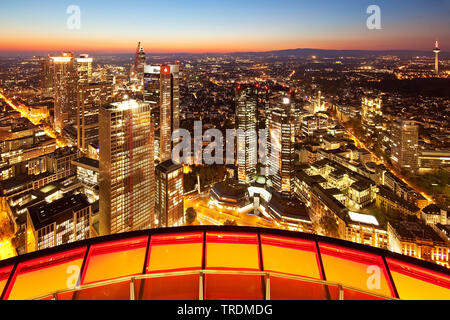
(239, 151)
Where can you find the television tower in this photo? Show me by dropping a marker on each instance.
(436, 63)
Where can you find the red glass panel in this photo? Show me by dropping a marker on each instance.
(291, 289)
(177, 252)
(114, 260)
(184, 287)
(357, 269)
(115, 291)
(46, 275)
(232, 251)
(417, 283)
(290, 256)
(233, 287)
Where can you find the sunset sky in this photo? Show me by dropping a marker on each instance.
(222, 25)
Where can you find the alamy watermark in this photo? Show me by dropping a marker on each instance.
(251, 147)
(374, 20)
(74, 19)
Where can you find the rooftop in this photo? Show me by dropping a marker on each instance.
(46, 213)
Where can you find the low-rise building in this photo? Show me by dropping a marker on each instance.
(365, 229)
(389, 201)
(62, 221)
(418, 240)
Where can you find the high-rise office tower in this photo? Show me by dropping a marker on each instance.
(162, 91)
(64, 89)
(370, 110)
(84, 69)
(247, 141)
(282, 140)
(91, 96)
(137, 70)
(169, 204)
(436, 50)
(405, 145)
(47, 71)
(127, 171)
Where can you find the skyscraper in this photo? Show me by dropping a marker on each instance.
(370, 110)
(84, 69)
(282, 140)
(162, 91)
(137, 70)
(91, 96)
(405, 145)
(436, 50)
(127, 175)
(247, 144)
(65, 90)
(47, 71)
(169, 204)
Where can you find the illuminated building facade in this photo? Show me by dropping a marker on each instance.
(370, 110)
(405, 145)
(418, 240)
(137, 70)
(282, 141)
(217, 263)
(65, 90)
(91, 96)
(127, 178)
(63, 221)
(247, 144)
(162, 91)
(365, 229)
(430, 160)
(87, 171)
(169, 195)
(47, 72)
(84, 69)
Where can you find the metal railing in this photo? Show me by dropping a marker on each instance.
(266, 289)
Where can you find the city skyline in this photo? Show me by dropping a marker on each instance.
(213, 27)
(203, 150)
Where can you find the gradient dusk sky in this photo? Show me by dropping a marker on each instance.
(222, 25)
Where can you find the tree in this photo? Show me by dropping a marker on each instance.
(330, 226)
(190, 215)
(230, 223)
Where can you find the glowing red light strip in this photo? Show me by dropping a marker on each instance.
(4, 273)
(119, 246)
(289, 243)
(232, 238)
(175, 270)
(348, 254)
(50, 261)
(187, 238)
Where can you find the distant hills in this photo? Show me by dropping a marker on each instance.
(300, 52)
(306, 52)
